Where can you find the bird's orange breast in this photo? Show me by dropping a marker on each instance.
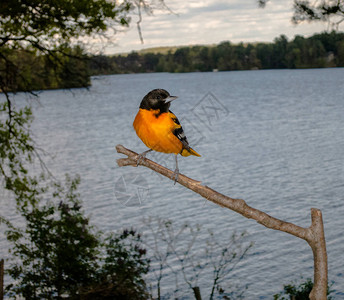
(156, 131)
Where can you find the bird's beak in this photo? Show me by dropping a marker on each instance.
(170, 99)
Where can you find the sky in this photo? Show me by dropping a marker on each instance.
(210, 22)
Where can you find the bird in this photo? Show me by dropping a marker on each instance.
(159, 128)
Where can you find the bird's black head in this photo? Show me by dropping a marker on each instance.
(157, 99)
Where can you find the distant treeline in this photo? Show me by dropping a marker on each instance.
(25, 70)
(318, 51)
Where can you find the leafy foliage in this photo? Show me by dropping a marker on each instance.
(16, 150)
(57, 21)
(34, 39)
(57, 248)
(298, 292)
(120, 276)
(331, 11)
(59, 254)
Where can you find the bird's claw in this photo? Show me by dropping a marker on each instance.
(142, 156)
(175, 175)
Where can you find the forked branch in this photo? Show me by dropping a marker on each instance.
(313, 235)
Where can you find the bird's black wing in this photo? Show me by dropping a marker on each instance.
(179, 132)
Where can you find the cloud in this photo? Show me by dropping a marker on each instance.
(208, 22)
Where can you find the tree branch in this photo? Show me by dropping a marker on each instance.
(1, 279)
(313, 235)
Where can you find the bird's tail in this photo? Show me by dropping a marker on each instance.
(190, 151)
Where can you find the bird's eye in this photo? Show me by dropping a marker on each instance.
(159, 97)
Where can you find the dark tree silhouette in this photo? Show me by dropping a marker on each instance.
(331, 11)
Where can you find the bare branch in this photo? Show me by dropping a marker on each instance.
(1, 279)
(138, 23)
(314, 235)
(148, 8)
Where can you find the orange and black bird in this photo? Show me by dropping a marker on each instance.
(158, 127)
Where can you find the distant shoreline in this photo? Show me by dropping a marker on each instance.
(323, 50)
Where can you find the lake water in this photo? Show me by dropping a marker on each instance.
(274, 138)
